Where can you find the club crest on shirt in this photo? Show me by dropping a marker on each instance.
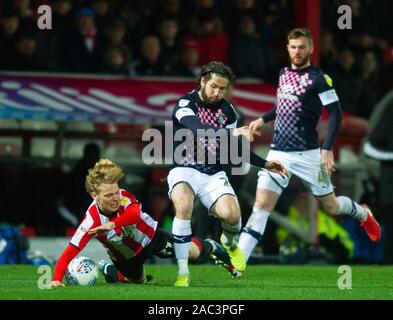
(183, 102)
(328, 80)
(124, 201)
(220, 118)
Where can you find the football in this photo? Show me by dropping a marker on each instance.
(82, 271)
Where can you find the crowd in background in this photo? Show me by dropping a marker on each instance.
(176, 37)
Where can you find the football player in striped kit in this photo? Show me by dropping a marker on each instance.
(129, 235)
(302, 93)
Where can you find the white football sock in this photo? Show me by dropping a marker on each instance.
(253, 231)
(181, 232)
(347, 207)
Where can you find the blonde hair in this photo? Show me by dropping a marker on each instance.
(104, 171)
(301, 32)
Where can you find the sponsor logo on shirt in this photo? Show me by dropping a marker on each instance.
(286, 92)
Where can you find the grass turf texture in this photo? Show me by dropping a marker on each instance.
(209, 282)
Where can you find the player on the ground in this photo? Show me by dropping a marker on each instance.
(198, 172)
(303, 91)
(129, 235)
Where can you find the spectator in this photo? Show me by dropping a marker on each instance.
(204, 5)
(25, 13)
(101, 9)
(51, 44)
(328, 51)
(360, 13)
(274, 28)
(241, 8)
(169, 8)
(364, 41)
(149, 64)
(189, 63)
(248, 58)
(134, 22)
(84, 45)
(209, 38)
(369, 71)
(170, 46)
(353, 92)
(25, 57)
(116, 60)
(9, 26)
(61, 11)
(115, 32)
(219, 8)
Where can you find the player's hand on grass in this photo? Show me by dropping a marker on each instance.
(54, 284)
(244, 131)
(105, 227)
(256, 126)
(327, 160)
(277, 167)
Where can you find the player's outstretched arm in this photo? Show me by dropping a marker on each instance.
(130, 216)
(61, 266)
(102, 228)
(244, 131)
(256, 126)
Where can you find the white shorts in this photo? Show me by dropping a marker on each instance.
(304, 164)
(208, 188)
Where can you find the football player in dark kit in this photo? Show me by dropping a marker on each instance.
(302, 93)
(199, 172)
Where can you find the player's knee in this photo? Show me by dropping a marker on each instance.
(233, 220)
(230, 214)
(230, 217)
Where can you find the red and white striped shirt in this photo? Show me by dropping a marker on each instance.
(121, 243)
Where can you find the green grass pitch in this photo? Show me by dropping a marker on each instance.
(209, 282)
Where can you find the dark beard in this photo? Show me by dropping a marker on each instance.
(206, 98)
(302, 63)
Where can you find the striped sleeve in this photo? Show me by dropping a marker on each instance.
(81, 237)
